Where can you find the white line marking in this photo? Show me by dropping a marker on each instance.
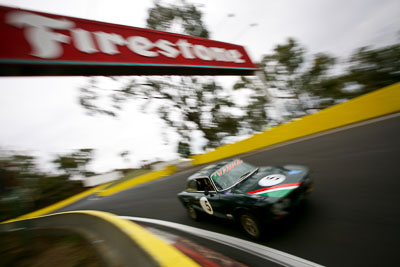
(250, 247)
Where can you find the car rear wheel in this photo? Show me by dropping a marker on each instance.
(251, 225)
(193, 213)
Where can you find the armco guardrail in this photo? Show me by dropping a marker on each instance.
(378, 103)
(119, 242)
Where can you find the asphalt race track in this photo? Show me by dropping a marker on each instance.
(351, 219)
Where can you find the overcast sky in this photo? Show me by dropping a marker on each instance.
(42, 115)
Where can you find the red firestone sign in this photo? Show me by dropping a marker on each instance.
(34, 43)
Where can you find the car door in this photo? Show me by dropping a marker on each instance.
(203, 196)
(212, 201)
(193, 194)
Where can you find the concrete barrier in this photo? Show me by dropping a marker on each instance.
(101, 179)
(378, 103)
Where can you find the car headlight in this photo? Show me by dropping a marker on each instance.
(307, 180)
(279, 207)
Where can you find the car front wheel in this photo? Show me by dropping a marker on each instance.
(193, 213)
(251, 225)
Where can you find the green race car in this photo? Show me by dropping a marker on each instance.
(252, 196)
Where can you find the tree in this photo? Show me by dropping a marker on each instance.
(198, 103)
(180, 17)
(24, 188)
(309, 85)
(373, 69)
(184, 149)
(255, 117)
(293, 78)
(18, 178)
(186, 104)
(367, 70)
(75, 163)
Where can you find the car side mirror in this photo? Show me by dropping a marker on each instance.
(207, 192)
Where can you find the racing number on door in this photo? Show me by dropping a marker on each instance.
(205, 204)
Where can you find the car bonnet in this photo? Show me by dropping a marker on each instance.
(273, 181)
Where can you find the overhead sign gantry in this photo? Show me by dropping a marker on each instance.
(41, 44)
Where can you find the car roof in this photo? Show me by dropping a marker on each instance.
(207, 171)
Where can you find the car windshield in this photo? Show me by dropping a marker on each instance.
(231, 173)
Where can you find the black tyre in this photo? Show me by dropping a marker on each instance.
(193, 213)
(251, 225)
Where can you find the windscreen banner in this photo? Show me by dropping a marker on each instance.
(40, 44)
